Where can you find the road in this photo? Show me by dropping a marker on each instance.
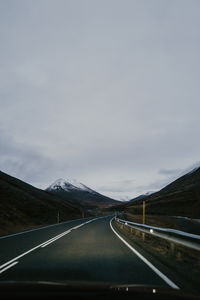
(85, 250)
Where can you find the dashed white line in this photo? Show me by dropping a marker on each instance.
(55, 238)
(36, 229)
(13, 261)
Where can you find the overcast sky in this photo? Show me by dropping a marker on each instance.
(103, 91)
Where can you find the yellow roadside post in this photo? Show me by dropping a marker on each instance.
(143, 219)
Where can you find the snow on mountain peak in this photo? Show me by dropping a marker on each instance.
(68, 184)
(77, 184)
(190, 169)
(149, 193)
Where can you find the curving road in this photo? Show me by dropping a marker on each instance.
(85, 250)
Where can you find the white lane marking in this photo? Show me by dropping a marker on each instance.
(21, 255)
(40, 228)
(25, 253)
(8, 267)
(40, 245)
(56, 238)
(159, 273)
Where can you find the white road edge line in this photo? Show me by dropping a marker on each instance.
(8, 267)
(159, 273)
(36, 247)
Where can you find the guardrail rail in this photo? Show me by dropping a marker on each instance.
(164, 242)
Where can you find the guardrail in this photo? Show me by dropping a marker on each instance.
(176, 236)
(176, 243)
(177, 250)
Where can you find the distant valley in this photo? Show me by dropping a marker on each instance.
(22, 206)
(80, 193)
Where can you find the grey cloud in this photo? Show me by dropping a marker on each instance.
(168, 172)
(99, 90)
(170, 176)
(26, 163)
(123, 186)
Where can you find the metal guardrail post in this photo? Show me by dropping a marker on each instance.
(146, 232)
(172, 248)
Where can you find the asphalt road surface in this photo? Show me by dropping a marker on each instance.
(85, 250)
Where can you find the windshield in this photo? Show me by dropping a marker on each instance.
(99, 147)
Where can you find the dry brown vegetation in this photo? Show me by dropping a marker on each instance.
(23, 206)
(180, 198)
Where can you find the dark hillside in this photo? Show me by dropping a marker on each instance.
(23, 206)
(181, 198)
(81, 194)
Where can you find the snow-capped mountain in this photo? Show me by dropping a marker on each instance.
(24, 206)
(79, 193)
(68, 185)
(191, 169)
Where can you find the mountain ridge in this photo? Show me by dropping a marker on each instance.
(24, 206)
(180, 197)
(81, 193)
(68, 184)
